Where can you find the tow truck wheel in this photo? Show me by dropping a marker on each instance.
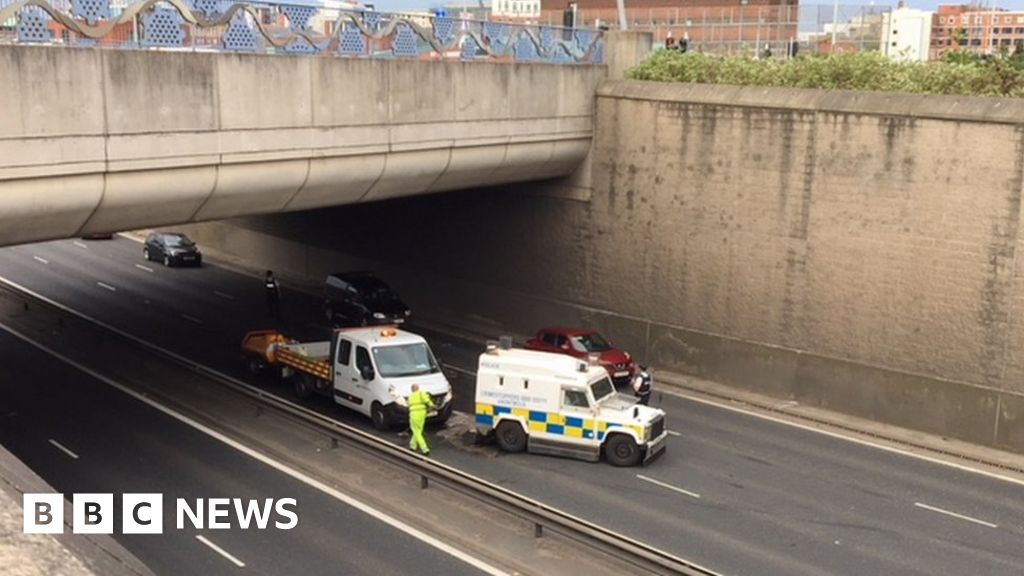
(255, 364)
(379, 417)
(621, 450)
(302, 388)
(511, 437)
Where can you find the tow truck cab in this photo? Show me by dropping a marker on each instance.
(372, 371)
(556, 404)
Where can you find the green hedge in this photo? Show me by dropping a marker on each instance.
(959, 73)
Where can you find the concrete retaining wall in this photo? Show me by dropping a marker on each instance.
(106, 140)
(850, 251)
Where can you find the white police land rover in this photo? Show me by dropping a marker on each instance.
(556, 404)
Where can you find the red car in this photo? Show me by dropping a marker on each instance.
(580, 342)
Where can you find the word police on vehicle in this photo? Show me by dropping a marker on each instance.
(143, 513)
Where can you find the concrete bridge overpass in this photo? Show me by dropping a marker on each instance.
(104, 140)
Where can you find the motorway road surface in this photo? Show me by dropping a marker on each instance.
(83, 436)
(736, 493)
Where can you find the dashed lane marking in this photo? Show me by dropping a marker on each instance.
(668, 486)
(220, 551)
(63, 448)
(955, 515)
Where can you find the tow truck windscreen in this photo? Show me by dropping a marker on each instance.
(590, 343)
(405, 360)
(602, 389)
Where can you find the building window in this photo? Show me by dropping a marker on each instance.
(942, 19)
(1007, 20)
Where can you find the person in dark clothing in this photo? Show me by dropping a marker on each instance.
(273, 293)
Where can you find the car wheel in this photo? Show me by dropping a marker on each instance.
(302, 388)
(167, 260)
(511, 437)
(255, 364)
(380, 418)
(145, 254)
(621, 450)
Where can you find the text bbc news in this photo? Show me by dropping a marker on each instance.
(144, 513)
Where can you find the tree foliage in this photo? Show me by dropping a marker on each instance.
(960, 72)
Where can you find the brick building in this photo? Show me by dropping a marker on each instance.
(717, 24)
(980, 30)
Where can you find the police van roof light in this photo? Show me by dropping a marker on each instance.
(388, 332)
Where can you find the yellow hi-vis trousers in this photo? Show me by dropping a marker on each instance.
(419, 403)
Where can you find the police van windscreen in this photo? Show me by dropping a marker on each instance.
(602, 389)
(405, 360)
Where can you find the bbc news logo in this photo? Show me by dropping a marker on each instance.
(144, 513)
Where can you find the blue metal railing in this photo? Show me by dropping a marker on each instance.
(289, 28)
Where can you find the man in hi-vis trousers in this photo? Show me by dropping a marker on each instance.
(419, 404)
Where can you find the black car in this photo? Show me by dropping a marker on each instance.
(171, 248)
(360, 299)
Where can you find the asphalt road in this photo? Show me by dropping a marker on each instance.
(736, 493)
(83, 436)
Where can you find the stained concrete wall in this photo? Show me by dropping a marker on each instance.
(107, 140)
(856, 252)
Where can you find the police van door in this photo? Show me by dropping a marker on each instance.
(580, 423)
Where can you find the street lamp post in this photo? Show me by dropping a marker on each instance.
(835, 24)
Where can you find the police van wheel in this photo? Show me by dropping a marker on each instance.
(621, 450)
(302, 386)
(379, 417)
(511, 437)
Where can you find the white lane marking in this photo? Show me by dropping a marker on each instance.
(63, 448)
(224, 295)
(81, 244)
(260, 457)
(668, 486)
(38, 259)
(191, 318)
(955, 515)
(861, 441)
(220, 551)
(141, 267)
(107, 286)
(673, 433)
